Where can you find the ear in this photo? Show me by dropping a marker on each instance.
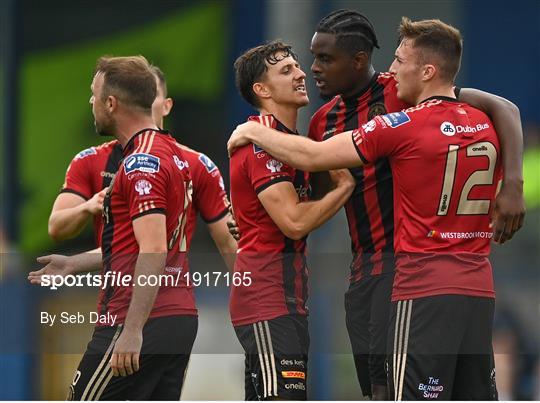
(428, 72)
(111, 103)
(167, 106)
(360, 60)
(261, 90)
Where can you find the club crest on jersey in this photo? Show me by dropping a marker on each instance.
(143, 187)
(376, 109)
(274, 166)
(369, 126)
(396, 119)
(448, 129)
(86, 153)
(179, 163)
(141, 162)
(208, 163)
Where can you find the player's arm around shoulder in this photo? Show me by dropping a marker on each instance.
(509, 211)
(296, 151)
(296, 219)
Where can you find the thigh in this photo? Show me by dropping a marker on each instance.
(423, 341)
(173, 363)
(94, 372)
(357, 316)
(163, 340)
(172, 378)
(276, 358)
(475, 371)
(378, 327)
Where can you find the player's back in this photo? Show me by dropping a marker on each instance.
(446, 166)
(447, 179)
(447, 182)
(153, 179)
(209, 197)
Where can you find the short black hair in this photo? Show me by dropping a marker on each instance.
(353, 30)
(251, 65)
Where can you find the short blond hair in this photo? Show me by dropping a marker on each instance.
(440, 44)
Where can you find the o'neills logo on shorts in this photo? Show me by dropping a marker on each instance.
(293, 374)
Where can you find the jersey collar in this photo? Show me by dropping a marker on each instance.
(440, 97)
(362, 91)
(129, 146)
(271, 121)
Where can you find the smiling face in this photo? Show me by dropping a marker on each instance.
(408, 72)
(283, 82)
(333, 68)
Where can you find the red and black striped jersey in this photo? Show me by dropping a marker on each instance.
(91, 171)
(445, 159)
(152, 179)
(209, 197)
(370, 210)
(276, 264)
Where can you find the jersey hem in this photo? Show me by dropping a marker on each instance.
(177, 312)
(259, 318)
(446, 291)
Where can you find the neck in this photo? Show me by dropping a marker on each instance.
(286, 114)
(130, 124)
(361, 83)
(444, 90)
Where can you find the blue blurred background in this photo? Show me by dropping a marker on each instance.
(48, 52)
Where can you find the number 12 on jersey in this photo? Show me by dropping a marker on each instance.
(478, 177)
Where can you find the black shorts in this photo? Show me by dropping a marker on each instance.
(367, 313)
(441, 349)
(276, 358)
(167, 343)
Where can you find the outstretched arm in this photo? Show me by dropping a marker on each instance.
(509, 210)
(60, 265)
(297, 151)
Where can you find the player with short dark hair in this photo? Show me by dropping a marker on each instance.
(446, 164)
(270, 202)
(342, 48)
